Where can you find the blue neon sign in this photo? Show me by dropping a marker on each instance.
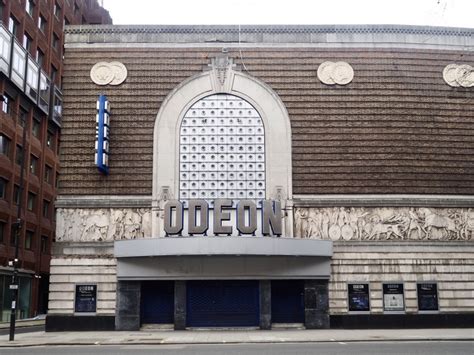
(102, 135)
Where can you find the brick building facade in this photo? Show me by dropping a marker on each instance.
(31, 37)
(362, 134)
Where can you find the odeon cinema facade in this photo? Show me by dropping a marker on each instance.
(264, 176)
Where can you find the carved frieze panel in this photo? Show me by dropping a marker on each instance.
(94, 225)
(341, 223)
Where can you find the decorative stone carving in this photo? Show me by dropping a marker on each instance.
(459, 75)
(340, 73)
(113, 73)
(341, 223)
(95, 225)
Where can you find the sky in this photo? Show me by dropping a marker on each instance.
(451, 13)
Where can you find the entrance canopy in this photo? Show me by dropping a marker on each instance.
(222, 258)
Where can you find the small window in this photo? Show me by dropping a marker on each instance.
(66, 22)
(13, 26)
(46, 205)
(57, 10)
(35, 128)
(33, 165)
(27, 42)
(39, 57)
(48, 174)
(44, 244)
(56, 182)
(50, 140)
(29, 239)
(3, 227)
(55, 43)
(31, 201)
(23, 117)
(16, 195)
(4, 145)
(42, 23)
(54, 73)
(30, 6)
(19, 155)
(3, 188)
(6, 104)
(76, 8)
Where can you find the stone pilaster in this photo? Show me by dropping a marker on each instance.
(180, 305)
(265, 304)
(316, 304)
(128, 305)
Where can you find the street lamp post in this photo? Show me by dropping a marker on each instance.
(17, 227)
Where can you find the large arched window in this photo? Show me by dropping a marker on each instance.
(205, 148)
(222, 150)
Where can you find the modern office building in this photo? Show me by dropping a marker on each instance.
(221, 176)
(31, 66)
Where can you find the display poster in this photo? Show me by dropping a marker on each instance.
(393, 300)
(86, 299)
(359, 297)
(427, 296)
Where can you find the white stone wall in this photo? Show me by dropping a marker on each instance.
(67, 271)
(450, 264)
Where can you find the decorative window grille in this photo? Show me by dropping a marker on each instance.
(222, 150)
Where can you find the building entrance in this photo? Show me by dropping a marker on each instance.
(287, 301)
(157, 302)
(222, 303)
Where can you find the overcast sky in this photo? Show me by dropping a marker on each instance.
(453, 13)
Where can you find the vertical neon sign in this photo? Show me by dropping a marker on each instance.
(102, 135)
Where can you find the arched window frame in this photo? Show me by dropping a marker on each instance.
(222, 78)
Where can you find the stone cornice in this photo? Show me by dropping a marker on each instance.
(270, 35)
(271, 29)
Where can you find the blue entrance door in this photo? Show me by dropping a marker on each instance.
(157, 303)
(288, 301)
(222, 303)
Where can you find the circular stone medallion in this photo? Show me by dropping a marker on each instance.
(101, 74)
(449, 75)
(325, 73)
(120, 73)
(342, 73)
(465, 75)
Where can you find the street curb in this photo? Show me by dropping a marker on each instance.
(163, 342)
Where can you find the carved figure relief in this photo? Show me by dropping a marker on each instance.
(95, 225)
(341, 223)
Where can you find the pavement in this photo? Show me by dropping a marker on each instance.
(234, 336)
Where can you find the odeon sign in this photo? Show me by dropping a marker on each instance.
(222, 217)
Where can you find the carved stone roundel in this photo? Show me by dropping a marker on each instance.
(120, 73)
(465, 75)
(101, 73)
(449, 75)
(324, 73)
(342, 73)
(113, 73)
(456, 75)
(331, 73)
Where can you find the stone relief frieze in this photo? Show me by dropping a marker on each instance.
(94, 225)
(341, 223)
